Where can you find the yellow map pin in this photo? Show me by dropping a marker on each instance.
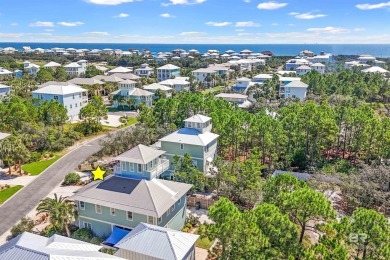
(98, 174)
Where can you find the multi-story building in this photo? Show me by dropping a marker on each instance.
(128, 90)
(144, 71)
(168, 71)
(132, 195)
(76, 69)
(30, 68)
(72, 97)
(292, 87)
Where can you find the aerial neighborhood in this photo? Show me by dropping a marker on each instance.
(192, 154)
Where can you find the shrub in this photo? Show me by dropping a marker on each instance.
(96, 240)
(25, 225)
(35, 156)
(51, 230)
(83, 234)
(71, 179)
(192, 220)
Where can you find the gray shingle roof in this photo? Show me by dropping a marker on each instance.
(151, 198)
(140, 154)
(158, 242)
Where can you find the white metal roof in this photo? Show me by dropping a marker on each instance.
(190, 136)
(198, 118)
(140, 154)
(168, 67)
(297, 84)
(156, 86)
(51, 64)
(375, 69)
(158, 242)
(120, 70)
(59, 90)
(34, 247)
(73, 65)
(231, 95)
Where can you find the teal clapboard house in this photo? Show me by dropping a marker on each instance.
(128, 90)
(132, 195)
(195, 139)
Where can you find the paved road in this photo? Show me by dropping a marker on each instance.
(28, 197)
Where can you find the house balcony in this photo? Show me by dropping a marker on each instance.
(162, 166)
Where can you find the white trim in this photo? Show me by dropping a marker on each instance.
(132, 216)
(81, 208)
(101, 209)
(111, 211)
(84, 222)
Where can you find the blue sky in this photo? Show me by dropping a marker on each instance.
(195, 21)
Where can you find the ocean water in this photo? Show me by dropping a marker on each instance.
(378, 50)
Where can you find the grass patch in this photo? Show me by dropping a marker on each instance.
(131, 121)
(7, 193)
(36, 168)
(211, 90)
(204, 243)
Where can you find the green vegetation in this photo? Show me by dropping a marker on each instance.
(24, 225)
(211, 90)
(71, 179)
(37, 168)
(7, 193)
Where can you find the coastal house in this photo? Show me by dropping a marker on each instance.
(124, 76)
(241, 100)
(76, 69)
(319, 67)
(150, 242)
(261, 78)
(128, 90)
(375, 69)
(168, 71)
(133, 195)
(242, 84)
(144, 71)
(106, 78)
(302, 70)
(178, 84)
(35, 247)
(205, 76)
(366, 58)
(4, 91)
(18, 73)
(4, 73)
(155, 86)
(72, 97)
(293, 64)
(30, 68)
(291, 87)
(119, 70)
(195, 139)
(52, 65)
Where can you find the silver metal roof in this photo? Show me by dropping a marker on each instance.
(158, 242)
(150, 198)
(140, 154)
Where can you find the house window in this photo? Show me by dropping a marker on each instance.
(82, 205)
(80, 104)
(194, 163)
(172, 208)
(87, 225)
(129, 216)
(206, 148)
(123, 166)
(112, 212)
(55, 97)
(179, 201)
(98, 209)
(75, 105)
(181, 146)
(70, 106)
(150, 220)
(73, 96)
(131, 167)
(159, 220)
(80, 95)
(139, 167)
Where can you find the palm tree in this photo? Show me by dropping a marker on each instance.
(60, 211)
(130, 102)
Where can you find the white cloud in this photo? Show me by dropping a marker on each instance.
(49, 30)
(271, 5)
(359, 29)
(329, 30)
(11, 35)
(306, 16)
(97, 33)
(121, 15)
(166, 15)
(109, 2)
(247, 24)
(274, 24)
(372, 6)
(247, 1)
(219, 24)
(42, 24)
(244, 34)
(183, 2)
(14, 24)
(70, 24)
(192, 33)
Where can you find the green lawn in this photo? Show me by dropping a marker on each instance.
(131, 121)
(210, 90)
(36, 168)
(7, 193)
(204, 243)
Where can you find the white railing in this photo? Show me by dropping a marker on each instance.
(162, 167)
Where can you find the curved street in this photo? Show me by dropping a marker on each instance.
(27, 198)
